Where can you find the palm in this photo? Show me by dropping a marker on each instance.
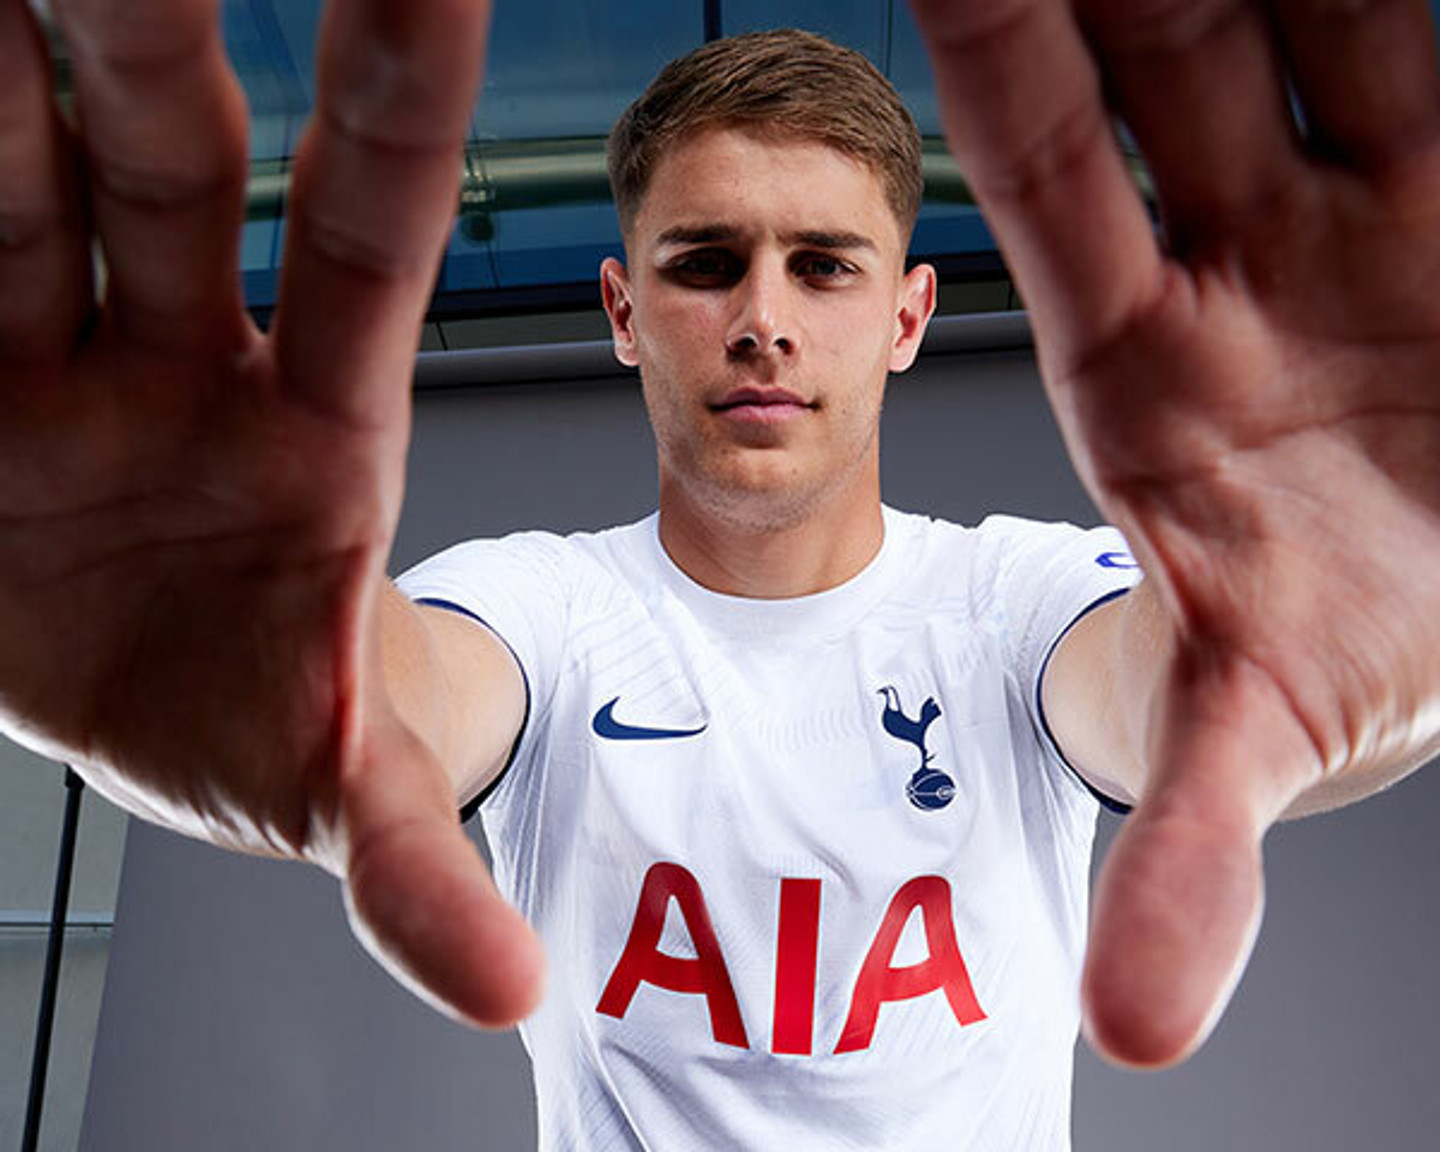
(1284, 467)
(1252, 400)
(1281, 500)
(181, 529)
(194, 519)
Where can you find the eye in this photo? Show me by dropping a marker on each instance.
(821, 266)
(705, 267)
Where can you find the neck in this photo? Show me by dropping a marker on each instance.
(825, 548)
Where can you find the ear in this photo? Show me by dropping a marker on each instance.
(917, 303)
(620, 307)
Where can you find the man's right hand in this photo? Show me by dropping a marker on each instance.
(195, 517)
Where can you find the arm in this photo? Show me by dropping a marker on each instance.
(456, 686)
(195, 515)
(1098, 688)
(1100, 691)
(1248, 394)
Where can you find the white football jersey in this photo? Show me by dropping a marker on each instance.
(809, 872)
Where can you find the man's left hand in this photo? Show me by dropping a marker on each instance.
(1251, 393)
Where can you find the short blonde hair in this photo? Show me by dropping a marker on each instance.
(785, 82)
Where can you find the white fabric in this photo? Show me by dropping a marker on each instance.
(794, 776)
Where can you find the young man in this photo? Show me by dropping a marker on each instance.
(195, 513)
(762, 732)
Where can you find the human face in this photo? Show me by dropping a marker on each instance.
(766, 300)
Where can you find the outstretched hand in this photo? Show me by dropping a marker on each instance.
(195, 517)
(1252, 395)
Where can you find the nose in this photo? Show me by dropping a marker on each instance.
(762, 320)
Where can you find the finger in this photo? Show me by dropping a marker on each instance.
(1025, 117)
(1366, 74)
(45, 290)
(1201, 86)
(420, 898)
(164, 126)
(1179, 899)
(374, 194)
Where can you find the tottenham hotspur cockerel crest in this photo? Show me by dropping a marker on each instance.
(928, 788)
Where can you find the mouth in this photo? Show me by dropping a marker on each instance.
(762, 405)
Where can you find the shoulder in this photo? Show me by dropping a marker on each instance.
(1016, 574)
(1014, 547)
(534, 555)
(997, 546)
(998, 530)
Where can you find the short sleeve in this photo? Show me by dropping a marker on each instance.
(1048, 577)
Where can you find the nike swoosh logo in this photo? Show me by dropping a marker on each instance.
(607, 727)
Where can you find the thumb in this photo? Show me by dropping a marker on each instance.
(1179, 900)
(419, 896)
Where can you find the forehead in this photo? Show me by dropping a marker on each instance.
(754, 183)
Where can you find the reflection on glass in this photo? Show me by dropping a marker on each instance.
(534, 204)
(533, 198)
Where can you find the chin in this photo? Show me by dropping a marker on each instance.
(757, 503)
(758, 490)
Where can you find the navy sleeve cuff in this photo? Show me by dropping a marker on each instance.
(1109, 802)
(472, 806)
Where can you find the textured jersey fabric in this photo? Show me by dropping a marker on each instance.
(809, 872)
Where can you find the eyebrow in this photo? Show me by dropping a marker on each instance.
(719, 233)
(697, 234)
(822, 239)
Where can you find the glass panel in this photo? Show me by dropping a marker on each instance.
(536, 217)
(908, 68)
(272, 48)
(864, 25)
(541, 214)
(569, 67)
(32, 807)
(77, 1015)
(535, 206)
(32, 803)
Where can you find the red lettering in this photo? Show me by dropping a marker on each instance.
(796, 961)
(942, 968)
(642, 959)
(795, 965)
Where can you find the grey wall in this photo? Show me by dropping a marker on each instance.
(239, 1015)
(32, 800)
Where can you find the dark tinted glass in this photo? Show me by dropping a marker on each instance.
(535, 213)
